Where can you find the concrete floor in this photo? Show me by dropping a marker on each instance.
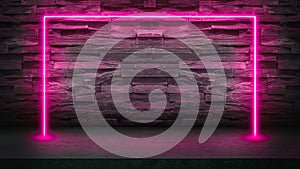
(225, 143)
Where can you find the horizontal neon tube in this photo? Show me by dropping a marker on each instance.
(147, 16)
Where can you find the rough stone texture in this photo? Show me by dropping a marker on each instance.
(279, 61)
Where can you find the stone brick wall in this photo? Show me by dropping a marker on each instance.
(279, 62)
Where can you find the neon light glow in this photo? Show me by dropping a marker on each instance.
(254, 133)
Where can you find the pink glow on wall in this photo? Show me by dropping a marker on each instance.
(254, 133)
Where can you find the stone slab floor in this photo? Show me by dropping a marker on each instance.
(225, 143)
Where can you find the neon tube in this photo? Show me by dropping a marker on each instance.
(254, 119)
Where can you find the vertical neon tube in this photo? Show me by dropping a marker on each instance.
(255, 78)
(44, 114)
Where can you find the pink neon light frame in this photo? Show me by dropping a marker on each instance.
(254, 133)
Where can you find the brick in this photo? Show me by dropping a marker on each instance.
(6, 90)
(147, 88)
(288, 64)
(24, 50)
(149, 3)
(212, 65)
(296, 48)
(268, 64)
(281, 10)
(150, 81)
(292, 92)
(23, 89)
(10, 64)
(261, 3)
(274, 107)
(238, 26)
(290, 81)
(231, 42)
(18, 10)
(276, 89)
(21, 42)
(183, 89)
(46, 2)
(152, 70)
(60, 26)
(121, 89)
(274, 50)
